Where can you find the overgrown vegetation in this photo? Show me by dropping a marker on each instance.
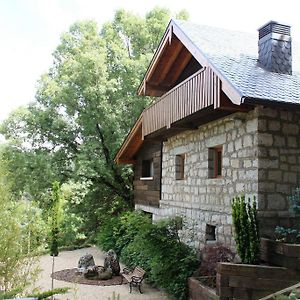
(291, 234)
(154, 247)
(18, 239)
(211, 255)
(244, 214)
(84, 107)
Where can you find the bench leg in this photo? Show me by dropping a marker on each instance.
(140, 289)
(130, 287)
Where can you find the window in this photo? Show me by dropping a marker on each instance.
(179, 166)
(147, 168)
(210, 232)
(215, 162)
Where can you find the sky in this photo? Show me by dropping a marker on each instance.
(30, 31)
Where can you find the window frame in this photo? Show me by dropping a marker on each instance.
(215, 162)
(149, 168)
(218, 162)
(180, 166)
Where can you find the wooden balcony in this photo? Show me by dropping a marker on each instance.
(200, 91)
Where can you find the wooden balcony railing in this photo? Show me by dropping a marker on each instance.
(199, 91)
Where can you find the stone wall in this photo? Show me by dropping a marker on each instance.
(261, 157)
(201, 200)
(278, 163)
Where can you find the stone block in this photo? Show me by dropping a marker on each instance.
(290, 129)
(290, 177)
(262, 125)
(247, 163)
(266, 186)
(274, 125)
(235, 163)
(276, 201)
(292, 142)
(269, 112)
(238, 144)
(286, 115)
(275, 175)
(248, 141)
(251, 126)
(279, 141)
(273, 152)
(265, 163)
(265, 139)
(292, 159)
(240, 187)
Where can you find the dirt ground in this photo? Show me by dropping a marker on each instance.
(69, 259)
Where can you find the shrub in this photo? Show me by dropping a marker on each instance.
(17, 268)
(211, 255)
(155, 247)
(245, 223)
(106, 238)
(287, 235)
(294, 201)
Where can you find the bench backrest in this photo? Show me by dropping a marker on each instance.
(139, 272)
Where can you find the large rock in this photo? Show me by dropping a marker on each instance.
(111, 261)
(85, 262)
(91, 272)
(105, 274)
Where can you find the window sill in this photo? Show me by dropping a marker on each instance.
(146, 178)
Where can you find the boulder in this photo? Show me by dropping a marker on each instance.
(85, 262)
(111, 261)
(91, 272)
(105, 275)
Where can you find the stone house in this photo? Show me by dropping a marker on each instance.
(227, 123)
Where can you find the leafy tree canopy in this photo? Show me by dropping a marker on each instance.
(85, 106)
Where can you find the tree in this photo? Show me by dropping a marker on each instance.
(85, 105)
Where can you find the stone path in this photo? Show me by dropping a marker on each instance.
(69, 259)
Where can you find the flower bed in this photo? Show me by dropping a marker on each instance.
(280, 254)
(240, 281)
(199, 290)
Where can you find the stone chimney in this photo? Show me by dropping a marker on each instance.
(275, 47)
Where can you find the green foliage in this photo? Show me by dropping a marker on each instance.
(291, 234)
(245, 223)
(55, 218)
(287, 235)
(154, 247)
(294, 201)
(48, 294)
(17, 268)
(85, 105)
(114, 297)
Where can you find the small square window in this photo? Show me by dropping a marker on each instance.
(147, 168)
(210, 232)
(215, 162)
(179, 166)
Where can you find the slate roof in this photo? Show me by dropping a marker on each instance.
(235, 54)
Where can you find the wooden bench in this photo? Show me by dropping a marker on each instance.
(135, 277)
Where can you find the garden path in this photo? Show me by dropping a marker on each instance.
(69, 260)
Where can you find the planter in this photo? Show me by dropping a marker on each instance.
(280, 254)
(239, 281)
(200, 291)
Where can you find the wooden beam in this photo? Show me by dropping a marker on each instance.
(178, 66)
(165, 63)
(155, 90)
(226, 104)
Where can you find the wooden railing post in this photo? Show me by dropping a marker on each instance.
(199, 91)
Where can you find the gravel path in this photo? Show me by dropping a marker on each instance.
(69, 259)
